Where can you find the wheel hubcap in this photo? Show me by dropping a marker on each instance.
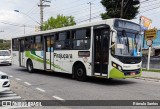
(80, 72)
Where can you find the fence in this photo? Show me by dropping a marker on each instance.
(154, 62)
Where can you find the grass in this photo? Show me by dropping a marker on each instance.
(151, 70)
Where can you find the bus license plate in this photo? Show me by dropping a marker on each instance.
(132, 73)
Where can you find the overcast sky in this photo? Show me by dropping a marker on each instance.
(12, 23)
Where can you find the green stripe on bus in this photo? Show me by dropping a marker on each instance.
(32, 55)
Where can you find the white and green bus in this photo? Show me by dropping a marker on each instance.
(110, 48)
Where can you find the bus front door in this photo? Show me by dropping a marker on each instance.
(21, 53)
(49, 52)
(101, 51)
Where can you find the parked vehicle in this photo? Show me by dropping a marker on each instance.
(4, 82)
(5, 57)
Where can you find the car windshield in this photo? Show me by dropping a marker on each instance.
(4, 53)
(128, 44)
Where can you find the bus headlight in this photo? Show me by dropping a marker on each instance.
(120, 68)
(117, 66)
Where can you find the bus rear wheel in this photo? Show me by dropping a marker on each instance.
(80, 72)
(30, 66)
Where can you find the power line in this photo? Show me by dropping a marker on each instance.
(150, 9)
(14, 24)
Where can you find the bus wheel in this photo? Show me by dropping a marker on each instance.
(80, 72)
(30, 66)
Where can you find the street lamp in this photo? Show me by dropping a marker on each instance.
(135, 3)
(28, 17)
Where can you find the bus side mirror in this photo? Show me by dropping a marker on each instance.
(113, 39)
(113, 36)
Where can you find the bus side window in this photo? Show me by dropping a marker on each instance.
(32, 42)
(27, 43)
(63, 40)
(82, 39)
(38, 43)
(15, 44)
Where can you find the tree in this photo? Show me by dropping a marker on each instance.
(113, 9)
(60, 21)
(5, 45)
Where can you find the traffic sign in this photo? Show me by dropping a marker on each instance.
(149, 42)
(150, 34)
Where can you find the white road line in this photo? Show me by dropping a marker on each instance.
(10, 94)
(40, 89)
(18, 79)
(27, 83)
(11, 76)
(58, 98)
(7, 92)
(9, 98)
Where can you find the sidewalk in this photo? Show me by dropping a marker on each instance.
(152, 75)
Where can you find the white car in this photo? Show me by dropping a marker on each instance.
(4, 82)
(5, 57)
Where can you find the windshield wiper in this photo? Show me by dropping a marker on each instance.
(125, 35)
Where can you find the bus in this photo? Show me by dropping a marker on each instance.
(109, 48)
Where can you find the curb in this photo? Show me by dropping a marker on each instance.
(149, 79)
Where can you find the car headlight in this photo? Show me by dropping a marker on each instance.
(117, 66)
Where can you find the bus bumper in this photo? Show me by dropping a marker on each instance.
(115, 73)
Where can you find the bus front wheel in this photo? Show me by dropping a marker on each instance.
(30, 66)
(80, 72)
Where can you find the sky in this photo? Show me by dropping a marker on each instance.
(14, 24)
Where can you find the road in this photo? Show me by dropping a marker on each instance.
(43, 85)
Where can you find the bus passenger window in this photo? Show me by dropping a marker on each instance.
(82, 39)
(38, 43)
(27, 43)
(15, 44)
(63, 41)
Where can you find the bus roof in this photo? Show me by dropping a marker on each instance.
(108, 21)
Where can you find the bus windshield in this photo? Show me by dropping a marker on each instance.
(128, 44)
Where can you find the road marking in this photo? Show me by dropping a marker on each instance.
(18, 79)
(11, 76)
(27, 83)
(40, 89)
(6, 92)
(9, 98)
(58, 98)
(11, 94)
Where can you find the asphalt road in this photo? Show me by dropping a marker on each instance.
(43, 85)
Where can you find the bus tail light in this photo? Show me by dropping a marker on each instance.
(84, 53)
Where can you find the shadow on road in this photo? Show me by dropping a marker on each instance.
(100, 81)
(4, 65)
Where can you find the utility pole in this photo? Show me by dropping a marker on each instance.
(42, 5)
(24, 29)
(90, 4)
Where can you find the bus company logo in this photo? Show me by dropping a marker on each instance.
(62, 55)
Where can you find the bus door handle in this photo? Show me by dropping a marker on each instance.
(70, 61)
(56, 60)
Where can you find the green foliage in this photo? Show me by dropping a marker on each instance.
(113, 9)
(60, 21)
(5, 45)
